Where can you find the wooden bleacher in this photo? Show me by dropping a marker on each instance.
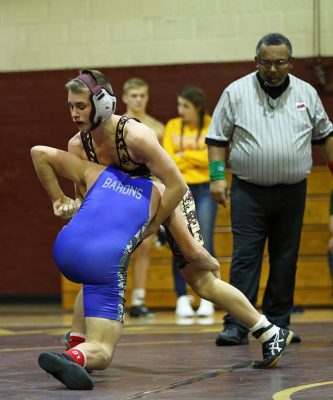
(313, 282)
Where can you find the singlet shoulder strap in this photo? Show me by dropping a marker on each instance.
(126, 163)
(120, 142)
(88, 146)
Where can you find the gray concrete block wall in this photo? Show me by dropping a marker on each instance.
(58, 34)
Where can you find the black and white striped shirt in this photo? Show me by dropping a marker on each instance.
(270, 139)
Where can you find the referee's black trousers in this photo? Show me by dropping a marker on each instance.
(274, 213)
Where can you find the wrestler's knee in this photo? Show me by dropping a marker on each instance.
(203, 293)
(106, 358)
(103, 356)
(202, 259)
(201, 281)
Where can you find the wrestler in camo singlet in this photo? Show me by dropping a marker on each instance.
(95, 246)
(186, 206)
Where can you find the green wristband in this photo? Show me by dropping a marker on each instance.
(216, 170)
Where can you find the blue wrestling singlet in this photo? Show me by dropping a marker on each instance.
(95, 246)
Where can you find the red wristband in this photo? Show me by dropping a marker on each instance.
(330, 166)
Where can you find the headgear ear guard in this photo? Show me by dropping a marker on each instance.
(103, 103)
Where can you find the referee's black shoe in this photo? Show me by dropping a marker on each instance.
(273, 348)
(62, 367)
(231, 336)
(296, 338)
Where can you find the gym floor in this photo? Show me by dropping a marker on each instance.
(162, 357)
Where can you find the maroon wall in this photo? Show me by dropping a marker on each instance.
(34, 111)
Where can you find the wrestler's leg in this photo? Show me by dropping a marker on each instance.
(77, 318)
(104, 306)
(77, 332)
(102, 337)
(225, 296)
(71, 367)
(191, 249)
(274, 340)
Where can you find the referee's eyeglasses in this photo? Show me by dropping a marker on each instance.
(278, 64)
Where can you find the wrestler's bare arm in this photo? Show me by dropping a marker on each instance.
(157, 193)
(62, 210)
(75, 147)
(144, 148)
(50, 162)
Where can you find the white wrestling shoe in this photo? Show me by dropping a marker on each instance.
(206, 309)
(184, 308)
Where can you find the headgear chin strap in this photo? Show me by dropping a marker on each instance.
(103, 103)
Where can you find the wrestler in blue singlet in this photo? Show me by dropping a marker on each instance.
(94, 248)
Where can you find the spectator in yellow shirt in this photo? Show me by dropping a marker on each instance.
(184, 141)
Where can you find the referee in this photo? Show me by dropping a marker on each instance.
(268, 119)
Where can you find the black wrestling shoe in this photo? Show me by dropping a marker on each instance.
(139, 311)
(296, 338)
(273, 348)
(62, 367)
(231, 336)
(65, 339)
